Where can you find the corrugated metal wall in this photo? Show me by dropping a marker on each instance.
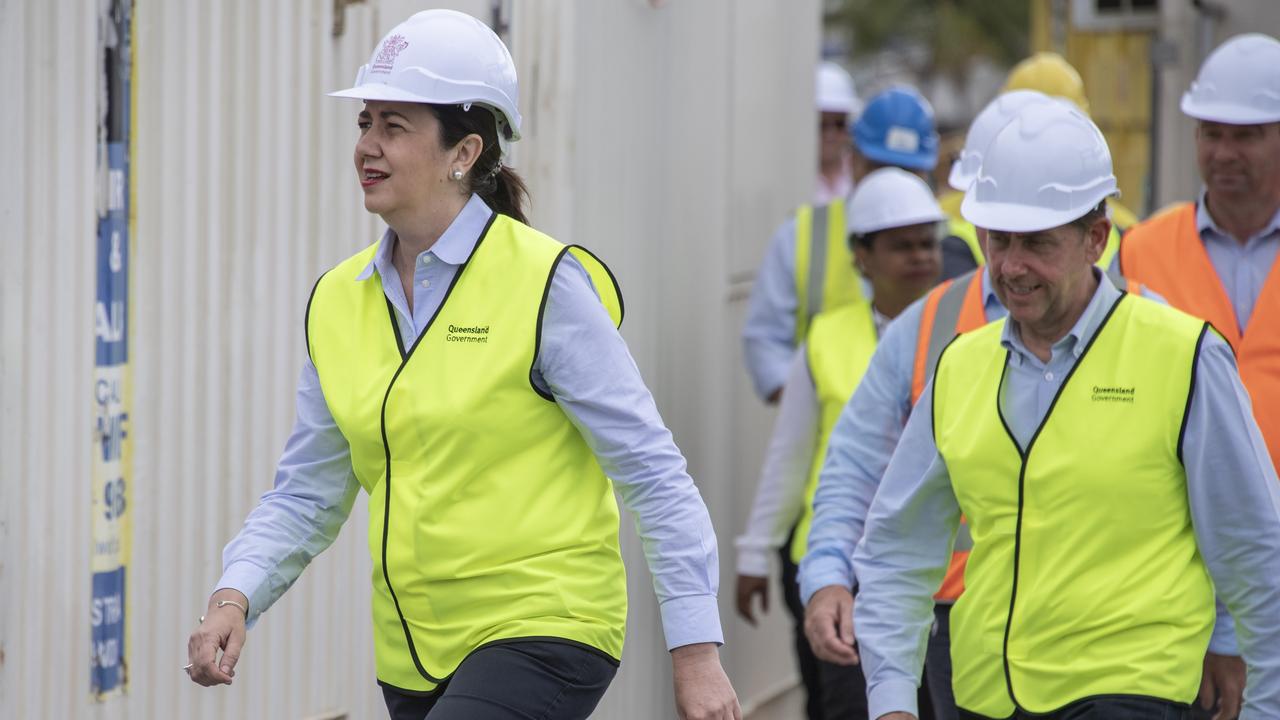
(663, 138)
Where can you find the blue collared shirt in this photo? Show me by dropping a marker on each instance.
(1231, 487)
(1242, 268)
(583, 362)
(769, 335)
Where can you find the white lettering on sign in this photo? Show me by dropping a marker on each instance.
(109, 328)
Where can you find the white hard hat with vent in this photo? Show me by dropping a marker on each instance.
(1239, 83)
(836, 92)
(993, 117)
(443, 57)
(889, 198)
(1049, 166)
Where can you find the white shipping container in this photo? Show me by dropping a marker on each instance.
(663, 136)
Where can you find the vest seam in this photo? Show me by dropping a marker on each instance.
(1022, 473)
(1191, 391)
(386, 447)
(306, 317)
(537, 329)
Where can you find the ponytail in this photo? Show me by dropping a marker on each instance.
(498, 185)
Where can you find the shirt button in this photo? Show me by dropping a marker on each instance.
(426, 260)
(426, 283)
(1048, 376)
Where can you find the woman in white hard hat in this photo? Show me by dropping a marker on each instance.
(894, 229)
(467, 372)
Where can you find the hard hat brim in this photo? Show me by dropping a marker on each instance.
(899, 222)
(1226, 113)
(379, 91)
(1009, 217)
(912, 161)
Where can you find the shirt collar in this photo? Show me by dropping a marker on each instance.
(1205, 222)
(453, 247)
(1085, 328)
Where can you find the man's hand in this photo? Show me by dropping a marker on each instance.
(222, 629)
(750, 586)
(1223, 679)
(703, 691)
(828, 624)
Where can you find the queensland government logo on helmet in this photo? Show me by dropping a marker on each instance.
(391, 47)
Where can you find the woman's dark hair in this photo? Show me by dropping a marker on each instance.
(498, 185)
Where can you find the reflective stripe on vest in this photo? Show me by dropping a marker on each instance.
(490, 518)
(825, 278)
(839, 347)
(1085, 578)
(1167, 253)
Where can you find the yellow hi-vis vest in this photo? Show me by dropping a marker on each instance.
(824, 274)
(839, 348)
(1085, 578)
(489, 517)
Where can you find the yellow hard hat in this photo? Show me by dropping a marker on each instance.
(1051, 74)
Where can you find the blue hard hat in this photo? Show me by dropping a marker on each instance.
(897, 128)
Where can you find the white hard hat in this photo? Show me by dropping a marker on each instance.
(993, 117)
(1049, 166)
(836, 92)
(443, 57)
(889, 198)
(1239, 83)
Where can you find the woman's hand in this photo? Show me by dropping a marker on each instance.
(222, 629)
(703, 691)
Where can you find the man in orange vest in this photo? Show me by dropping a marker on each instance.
(1217, 258)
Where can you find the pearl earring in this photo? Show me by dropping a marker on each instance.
(456, 174)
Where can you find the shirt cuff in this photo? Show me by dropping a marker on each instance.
(753, 561)
(816, 574)
(691, 619)
(253, 582)
(891, 696)
(1223, 640)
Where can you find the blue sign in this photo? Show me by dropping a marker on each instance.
(107, 666)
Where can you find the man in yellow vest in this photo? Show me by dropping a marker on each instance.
(808, 267)
(1219, 257)
(1102, 451)
(894, 226)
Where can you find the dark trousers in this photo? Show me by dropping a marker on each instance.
(937, 665)
(521, 680)
(833, 692)
(1106, 707)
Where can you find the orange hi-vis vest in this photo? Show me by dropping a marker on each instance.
(1167, 253)
(953, 308)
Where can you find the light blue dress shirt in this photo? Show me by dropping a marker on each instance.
(769, 335)
(1231, 486)
(584, 363)
(1242, 268)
